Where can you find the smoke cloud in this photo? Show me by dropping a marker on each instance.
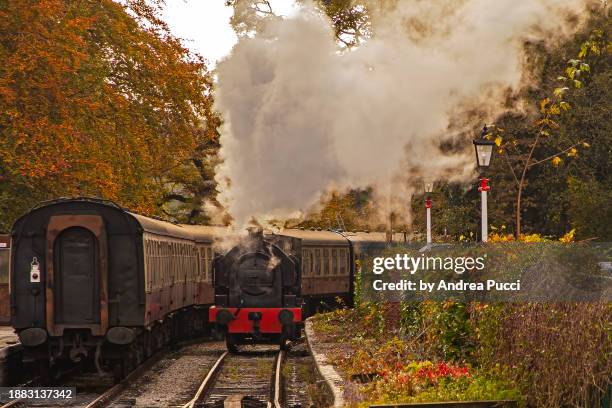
(301, 116)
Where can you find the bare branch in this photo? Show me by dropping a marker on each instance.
(557, 154)
(511, 169)
(265, 3)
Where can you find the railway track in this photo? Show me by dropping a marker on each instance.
(18, 403)
(90, 397)
(14, 404)
(252, 378)
(88, 385)
(205, 375)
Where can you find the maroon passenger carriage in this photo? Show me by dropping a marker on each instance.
(93, 282)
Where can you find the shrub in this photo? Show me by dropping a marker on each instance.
(559, 354)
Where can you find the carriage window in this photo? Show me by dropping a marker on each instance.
(205, 264)
(334, 254)
(182, 275)
(188, 263)
(178, 262)
(188, 270)
(195, 261)
(156, 267)
(166, 264)
(305, 262)
(204, 260)
(173, 278)
(317, 263)
(160, 264)
(183, 262)
(311, 267)
(308, 270)
(147, 259)
(326, 262)
(151, 264)
(169, 263)
(343, 262)
(202, 268)
(208, 264)
(156, 261)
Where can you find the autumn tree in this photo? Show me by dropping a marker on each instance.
(352, 209)
(96, 98)
(250, 15)
(350, 20)
(520, 151)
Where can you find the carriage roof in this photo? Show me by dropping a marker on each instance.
(314, 237)
(198, 233)
(376, 236)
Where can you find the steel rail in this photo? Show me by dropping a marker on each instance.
(207, 381)
(19, 402)
(276, 402)
(15, 404)
(105, 398)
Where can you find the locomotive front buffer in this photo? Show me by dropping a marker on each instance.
(262, 325)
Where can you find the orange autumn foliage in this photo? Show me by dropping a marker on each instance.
(96, 98)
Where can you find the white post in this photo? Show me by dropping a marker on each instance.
(483, 211)
(428, 225)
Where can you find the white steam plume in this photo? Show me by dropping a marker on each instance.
(301, 116)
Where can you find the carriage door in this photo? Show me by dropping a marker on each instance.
(77, 278)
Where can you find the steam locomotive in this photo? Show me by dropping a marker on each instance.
(92, 282)
(267, 285)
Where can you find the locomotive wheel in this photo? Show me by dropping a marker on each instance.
(43, 372)
(118, 371)
(122, 367)
(148, 345)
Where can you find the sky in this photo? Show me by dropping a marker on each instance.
(204, 24)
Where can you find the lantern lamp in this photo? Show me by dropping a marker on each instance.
(484, 149)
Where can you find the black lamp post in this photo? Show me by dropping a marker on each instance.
(484, 151)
